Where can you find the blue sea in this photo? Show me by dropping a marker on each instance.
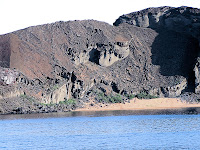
(71, 131)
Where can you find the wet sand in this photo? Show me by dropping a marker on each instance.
(141, 104)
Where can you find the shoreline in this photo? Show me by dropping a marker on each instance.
(133, 106)
(140, 104)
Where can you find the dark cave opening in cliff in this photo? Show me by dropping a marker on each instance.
(94, 55)
(191, 59)
(176, 54)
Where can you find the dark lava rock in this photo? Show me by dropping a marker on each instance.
(155, 51)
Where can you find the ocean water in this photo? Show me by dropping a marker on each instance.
(99, 132)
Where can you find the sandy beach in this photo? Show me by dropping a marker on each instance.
(140, 104)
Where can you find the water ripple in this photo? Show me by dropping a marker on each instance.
(109, 132)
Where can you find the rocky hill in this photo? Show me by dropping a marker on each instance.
(154, 51)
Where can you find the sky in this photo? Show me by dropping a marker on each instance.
(19, 14)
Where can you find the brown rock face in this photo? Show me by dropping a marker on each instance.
(182, 22)
(154, 50)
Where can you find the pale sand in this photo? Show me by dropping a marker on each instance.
(140, 104)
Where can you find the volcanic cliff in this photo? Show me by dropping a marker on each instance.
(153, 51)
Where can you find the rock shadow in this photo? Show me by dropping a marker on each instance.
(94, 56)
(176, 54)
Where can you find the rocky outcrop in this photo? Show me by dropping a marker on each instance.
(7, 76)
(184, 20)
(10, 92)
(171, 91)
(109, 56)
(58, 94)
(104, 55)
(154, 51)
(197, 76)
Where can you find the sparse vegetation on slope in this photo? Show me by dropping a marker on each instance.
(103, 98)
(144, 95)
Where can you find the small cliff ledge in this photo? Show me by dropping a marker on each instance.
(62, 65)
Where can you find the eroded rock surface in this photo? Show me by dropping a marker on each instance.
(155, 50)
(183, 20)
